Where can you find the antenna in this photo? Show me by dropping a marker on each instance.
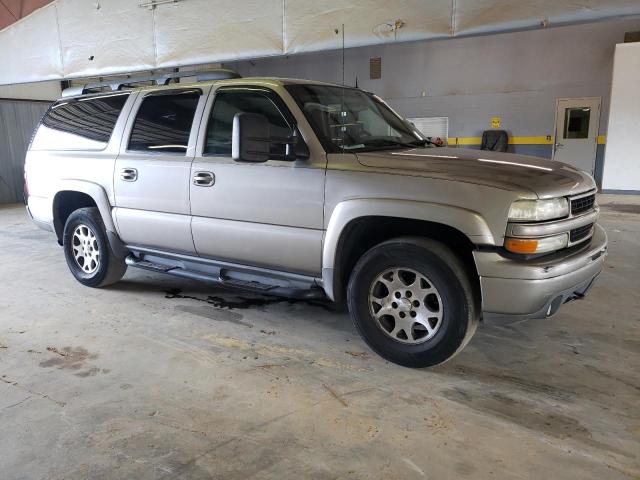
(343, 54)
(342, 111)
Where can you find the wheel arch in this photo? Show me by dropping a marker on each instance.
(74, 194)
(357, 225)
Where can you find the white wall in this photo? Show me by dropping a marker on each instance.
(622, 155)
(32, 91)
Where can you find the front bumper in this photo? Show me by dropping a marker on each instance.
(515, 290)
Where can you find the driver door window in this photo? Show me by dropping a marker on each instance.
(227, 105)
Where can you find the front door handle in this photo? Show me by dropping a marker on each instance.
(129, 174)
(559, 145)
(204, 179)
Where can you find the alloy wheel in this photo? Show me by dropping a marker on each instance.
(406, 305)
(85, 249)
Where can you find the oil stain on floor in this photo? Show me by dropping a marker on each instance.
(240, 302)
(72, 358)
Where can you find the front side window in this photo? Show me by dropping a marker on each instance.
(163, 122)
(225, 107)
(79, 124)
(347, 119)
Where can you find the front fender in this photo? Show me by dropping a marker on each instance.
(470, 223)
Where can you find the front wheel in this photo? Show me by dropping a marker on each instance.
(412, 302)
(87, 250)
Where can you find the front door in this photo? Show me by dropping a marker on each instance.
(267, 214)
(153, 171)
(577, 122)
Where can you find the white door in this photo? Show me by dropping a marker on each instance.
(577, 122)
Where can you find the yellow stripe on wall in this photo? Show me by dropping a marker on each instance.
(545, 140)
(465, 141)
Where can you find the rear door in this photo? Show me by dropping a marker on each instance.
(262, 214)
(152, 173)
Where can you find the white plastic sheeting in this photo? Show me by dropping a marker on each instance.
(311, 24)
(77, 38)
(118, 35)
(204, 31)
(30, 49)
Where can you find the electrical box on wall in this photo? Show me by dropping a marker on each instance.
(375, 68)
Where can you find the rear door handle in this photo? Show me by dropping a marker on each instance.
(129, 174)
(204, 179)
(559, 145)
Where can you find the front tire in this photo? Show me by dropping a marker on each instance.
(87, 250)
(412, 302)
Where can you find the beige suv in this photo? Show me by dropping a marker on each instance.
(310, 190)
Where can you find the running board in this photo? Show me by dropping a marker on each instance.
(255, 286)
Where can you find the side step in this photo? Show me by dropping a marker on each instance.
(238, 284)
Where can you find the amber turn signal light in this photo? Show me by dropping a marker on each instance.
(536, 245)
(521, 245)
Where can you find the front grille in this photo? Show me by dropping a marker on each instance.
(582, 204)
(580, 233)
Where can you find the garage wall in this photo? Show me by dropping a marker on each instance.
(517, 76)
(17, 122)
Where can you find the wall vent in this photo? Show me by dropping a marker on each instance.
(375, 68)
(630, 37)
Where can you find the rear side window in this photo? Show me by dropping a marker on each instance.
(227, 104)
(79, 124)
(163, 122)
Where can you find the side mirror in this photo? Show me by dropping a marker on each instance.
(296, 149)
(251, 138)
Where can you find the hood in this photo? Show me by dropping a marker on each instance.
(545, 178)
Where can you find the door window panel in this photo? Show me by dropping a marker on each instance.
(163, 123)
(79, 124)
(576, 122)
(225, 107)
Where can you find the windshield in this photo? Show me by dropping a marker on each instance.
(348, 119)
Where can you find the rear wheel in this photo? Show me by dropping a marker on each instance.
(412, 302)
(87, 250)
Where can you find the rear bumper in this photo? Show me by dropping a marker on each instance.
(36, 209)
(515, 290)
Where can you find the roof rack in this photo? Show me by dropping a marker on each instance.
(163, 79)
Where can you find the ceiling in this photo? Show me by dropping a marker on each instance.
(78, 38)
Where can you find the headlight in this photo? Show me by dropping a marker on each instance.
(538, 210)
(536, 245)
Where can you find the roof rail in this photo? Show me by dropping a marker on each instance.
(163, 79)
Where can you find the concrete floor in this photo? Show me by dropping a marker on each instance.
(134, 382)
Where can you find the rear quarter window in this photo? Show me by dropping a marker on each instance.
(79, 124)
(163, 122)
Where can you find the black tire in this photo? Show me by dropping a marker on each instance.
(445, 271)
(109, 268)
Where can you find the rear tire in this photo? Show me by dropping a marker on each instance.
(87, 250)
(412, 301)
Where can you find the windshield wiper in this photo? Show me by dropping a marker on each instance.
(383, 142)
